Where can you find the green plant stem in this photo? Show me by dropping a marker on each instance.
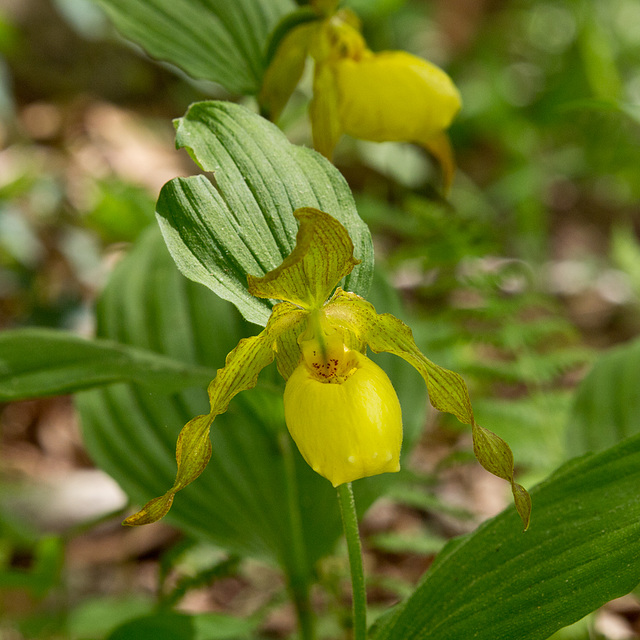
(354, 548)
(298, 574)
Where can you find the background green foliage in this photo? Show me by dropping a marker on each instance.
(523, 281)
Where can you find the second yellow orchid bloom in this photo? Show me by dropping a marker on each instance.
(340, 408)
(387, 96)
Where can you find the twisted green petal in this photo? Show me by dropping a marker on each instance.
(240, 372)
(323, 255)
(285, 70)
(447, 390)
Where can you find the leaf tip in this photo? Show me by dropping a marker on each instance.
(522, 501)
(153, 511)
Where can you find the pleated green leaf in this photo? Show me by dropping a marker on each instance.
(244, 224)
(42, 362)
(216, 40)
(498, 583)
(607, 403)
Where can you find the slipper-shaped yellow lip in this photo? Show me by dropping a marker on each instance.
(347, 429)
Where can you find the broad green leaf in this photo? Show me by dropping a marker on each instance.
(216, 40)
(42, 362)
(607, 402)
(447, 390)
(244, 224)
(499, 583)
(322, 257)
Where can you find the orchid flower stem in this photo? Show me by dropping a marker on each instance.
(354, 549)
(299, 579)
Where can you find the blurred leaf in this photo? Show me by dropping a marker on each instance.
(287, 60)
(215, 626)
(122, 212)
(287, 24)
(178, 626)
(530, 367)
(499, 583)
(607, 402)
(41, 362)
(18, 240)
(96, 617)
(632, 110)
(216, 40)
(246, 226)
(413, 492)
(534, 426)
(625, 252)
(605, 105)
(84, 16)
(581, 630)
(9, 34)
(202, 579)
(597, 47)
(417, 543)
(374, 8)
(44, 572)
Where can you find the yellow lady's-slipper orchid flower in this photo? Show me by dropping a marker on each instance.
(340, 407)
(387, 96)
(343, 412)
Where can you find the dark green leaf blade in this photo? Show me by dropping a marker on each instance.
(216, 40)
(42, 362)
(498, 583)
(245, 225)
(180, 626)
(607, 403)
(208, 254)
